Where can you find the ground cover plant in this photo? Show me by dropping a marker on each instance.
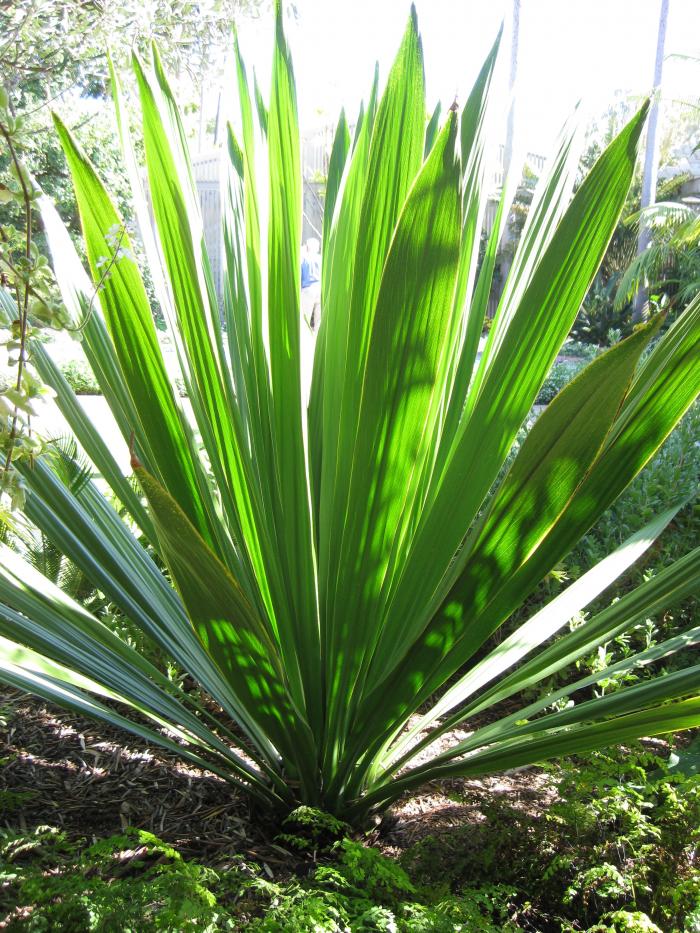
(335, 541)
(614, 849)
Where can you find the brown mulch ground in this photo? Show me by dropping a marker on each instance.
(92, 781)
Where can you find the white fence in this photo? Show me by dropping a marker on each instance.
(208, 175)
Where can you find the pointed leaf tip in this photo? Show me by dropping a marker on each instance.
(135, 462)
(137, 65)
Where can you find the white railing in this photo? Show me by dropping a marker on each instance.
(533, 160)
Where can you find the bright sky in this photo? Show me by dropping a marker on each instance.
(569, 49)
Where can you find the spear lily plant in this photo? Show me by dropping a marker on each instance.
(329, 541)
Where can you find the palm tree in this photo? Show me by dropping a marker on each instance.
(671, 261)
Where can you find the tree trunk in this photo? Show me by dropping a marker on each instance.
(510, 128)
(651, 157)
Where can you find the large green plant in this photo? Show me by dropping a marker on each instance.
(338, 545)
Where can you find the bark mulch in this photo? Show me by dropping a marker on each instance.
(92, 781)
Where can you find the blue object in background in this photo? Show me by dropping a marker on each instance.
(309, 273)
